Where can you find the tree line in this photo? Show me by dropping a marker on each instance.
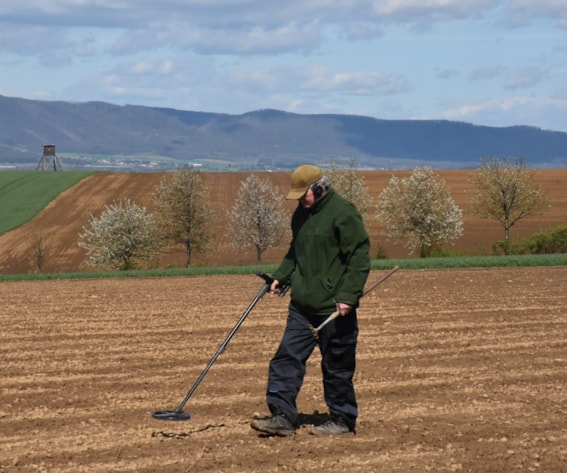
(417, 211)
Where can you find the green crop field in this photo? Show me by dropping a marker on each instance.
(23, 194)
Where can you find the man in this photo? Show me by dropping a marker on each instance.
(327, 265)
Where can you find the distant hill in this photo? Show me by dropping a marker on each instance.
(99, 134)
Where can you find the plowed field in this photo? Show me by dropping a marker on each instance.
(61, 222)
(458, 370)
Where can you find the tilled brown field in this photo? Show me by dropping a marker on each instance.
(63, 219)
(459, 370)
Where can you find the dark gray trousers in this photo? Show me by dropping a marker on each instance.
(337, 343)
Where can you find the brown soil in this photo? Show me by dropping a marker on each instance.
(61, 222)
(458, 370)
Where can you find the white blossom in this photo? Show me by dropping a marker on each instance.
(419, 211)
(347, 182)
(123, 234)
(257, 219)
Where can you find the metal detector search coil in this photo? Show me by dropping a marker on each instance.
(178, 413)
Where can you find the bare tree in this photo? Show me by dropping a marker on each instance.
(40, 249)
(350, 184)
(182, 201)
(122, 235)
(507, 192)
(258, 218)
(420, 211)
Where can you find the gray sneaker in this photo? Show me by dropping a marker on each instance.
(334, 426)
(275, 425)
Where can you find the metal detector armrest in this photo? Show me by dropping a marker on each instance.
(269, 280)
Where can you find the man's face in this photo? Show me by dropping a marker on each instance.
(308, 199)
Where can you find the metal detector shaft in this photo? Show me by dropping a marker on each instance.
(375, 284)
(223, 346)
(334, 315)
(178, 413)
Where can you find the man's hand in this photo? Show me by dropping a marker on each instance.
(274, 289)
(343, 309)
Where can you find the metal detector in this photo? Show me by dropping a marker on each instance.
(178, 413)
(334, 315)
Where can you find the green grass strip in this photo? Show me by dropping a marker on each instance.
(462, 262)
(23, 194)
(457, 262)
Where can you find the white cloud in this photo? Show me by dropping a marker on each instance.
(315, 79)
(256, 40)
(525, 11)
(309, 56)
(487, 72)
(446, 72)
(434, 9)
(263, 80)
(29, 40)
(525, 77)
(513, 111)
(250, 26)
(362, 30)
(143, 68)
(367, 83)
(320, 78)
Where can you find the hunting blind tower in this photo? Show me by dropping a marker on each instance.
(49, 154)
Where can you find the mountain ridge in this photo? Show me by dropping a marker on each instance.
(87, 133)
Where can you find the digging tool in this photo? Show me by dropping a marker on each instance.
(178, 413)
(334, 315)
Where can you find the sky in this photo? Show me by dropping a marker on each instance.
(488, 62)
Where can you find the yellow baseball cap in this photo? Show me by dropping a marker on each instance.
(301, 179)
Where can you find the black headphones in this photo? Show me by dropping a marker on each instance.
(318, 188)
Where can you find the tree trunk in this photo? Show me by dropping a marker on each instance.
(424, 250)
(506, 237)
(188, 255)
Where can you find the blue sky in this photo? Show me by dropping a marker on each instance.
(488, 62)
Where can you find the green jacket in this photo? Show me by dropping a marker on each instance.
(328, 259)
